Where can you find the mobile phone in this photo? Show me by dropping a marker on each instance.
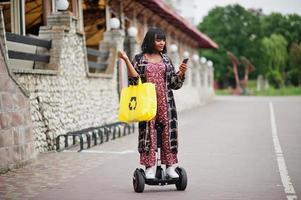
(185, 60)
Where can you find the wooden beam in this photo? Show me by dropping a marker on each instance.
(154, 19)
(95, 65)
(93, 52)
(28, 56)
(128, 5)
(27, 40)
(140, 10)
(46, 10)
(75, 8)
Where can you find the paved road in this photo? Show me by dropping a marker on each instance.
(232, 148)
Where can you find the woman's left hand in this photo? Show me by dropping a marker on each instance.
(182, 69)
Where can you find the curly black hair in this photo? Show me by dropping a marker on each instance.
(149, 40)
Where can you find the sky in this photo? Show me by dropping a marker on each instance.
(200, 8)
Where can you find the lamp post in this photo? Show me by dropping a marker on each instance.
(132, 31)
(130, 43)
(186, 54)
(173, 48)
(114, 23)
(203, 60)
(195, 57)
(62, 5)
(210, 63)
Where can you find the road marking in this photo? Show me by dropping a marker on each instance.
(103, 152)
(286, 181)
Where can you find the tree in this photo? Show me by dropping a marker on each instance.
(265, 40)
(234, 29)
(288, 26)
(294, 71)
(274, 56)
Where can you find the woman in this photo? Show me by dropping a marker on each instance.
(153, 65)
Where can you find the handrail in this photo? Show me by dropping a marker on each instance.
(97, 53)
(101, 55)
(28, 40)
(15, 54)
(28, 56)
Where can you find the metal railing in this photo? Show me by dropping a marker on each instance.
(99, 135)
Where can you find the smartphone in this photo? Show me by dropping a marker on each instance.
(185, 60)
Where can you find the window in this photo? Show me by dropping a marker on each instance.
(94, 20)
(34, 17)
(24, 17)
(6, 9)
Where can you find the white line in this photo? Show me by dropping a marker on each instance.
(286, 181)
(102, 152)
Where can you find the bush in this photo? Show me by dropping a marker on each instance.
(294, 77)
(274, 77)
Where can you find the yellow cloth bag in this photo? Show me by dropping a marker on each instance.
(138, 102)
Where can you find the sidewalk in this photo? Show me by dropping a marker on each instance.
(54, 168)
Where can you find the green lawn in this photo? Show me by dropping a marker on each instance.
(284, 91)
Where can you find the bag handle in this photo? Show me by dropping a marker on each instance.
(139, 81)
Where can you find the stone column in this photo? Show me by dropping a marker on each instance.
(206, 86)
(114, 41)
(115, 38)
(211, 78)
(133, 47)
(57, 24)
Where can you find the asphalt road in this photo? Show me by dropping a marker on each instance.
(233, 148)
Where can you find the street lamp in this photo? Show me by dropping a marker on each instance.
(195, 57)
(203, 60)
(114, 23)
(62, 5)
(173, 48)
(186, 54)
(132, 31)
(210, 63)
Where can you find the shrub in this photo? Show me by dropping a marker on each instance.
(294, 76)
(275, 78)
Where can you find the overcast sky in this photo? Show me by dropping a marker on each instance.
(200, 8)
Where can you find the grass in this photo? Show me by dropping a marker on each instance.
(222, 92)
(284, 91)
(251, 90)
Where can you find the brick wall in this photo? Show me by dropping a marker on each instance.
(16, 136)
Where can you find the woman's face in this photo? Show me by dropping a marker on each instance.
(159, 45)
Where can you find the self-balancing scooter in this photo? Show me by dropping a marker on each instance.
(139, 178)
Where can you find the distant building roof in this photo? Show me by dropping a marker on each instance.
(167, 13)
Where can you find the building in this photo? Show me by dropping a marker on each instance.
(60, 65)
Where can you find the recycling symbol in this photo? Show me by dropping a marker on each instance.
(133, 103)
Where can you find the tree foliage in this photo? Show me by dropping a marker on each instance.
(294, 71)
(235, 30)
(264, 40)
(274, 53)
(288, 26)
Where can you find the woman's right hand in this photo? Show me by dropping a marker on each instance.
(122, 55)
(131, 70)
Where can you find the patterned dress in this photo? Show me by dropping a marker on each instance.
(155, 73)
